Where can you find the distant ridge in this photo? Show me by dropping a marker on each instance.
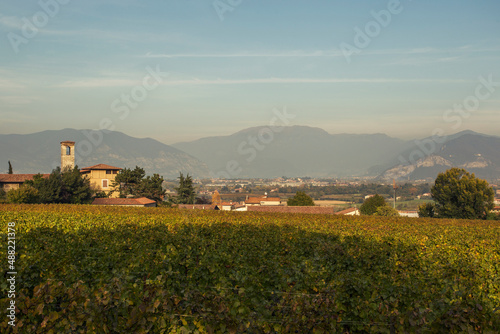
(309, 151)
(256, 152)
(294, 151)
(40, 152)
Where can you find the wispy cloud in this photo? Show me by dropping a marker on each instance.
(291, 53)
(297, 53)
(94, 83)
(318, 53)
(98, 82)
(11, 22)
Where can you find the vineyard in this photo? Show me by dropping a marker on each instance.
(84, 269)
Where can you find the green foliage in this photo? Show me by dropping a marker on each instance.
(370, 205)
(427, 210)
(10, 169)
(128, 181)
(459, 194)
(89, 269)
(67, 186)
(133, 182)
(300, 199)
(386, 211)
(185, 190)
(24, 194)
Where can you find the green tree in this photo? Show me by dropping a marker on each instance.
(67, 186)
(3, 196)
(133, 182)
(185, 190)
(370, 205)
(10, 169)
(24, 194)
(151, 187)
(459, 194)
(75, 188)
(128, 181)
(427, 210)
(300, 199)
(386, 211)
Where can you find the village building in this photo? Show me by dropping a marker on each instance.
(199, 206)
(263, 201)
(14, 181)
(411, 214)
(349, 212)
(101, 177)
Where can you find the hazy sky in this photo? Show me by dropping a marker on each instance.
(177, 70)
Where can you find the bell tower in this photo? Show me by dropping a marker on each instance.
(67, 154)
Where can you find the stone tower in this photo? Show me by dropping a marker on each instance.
(67, 154)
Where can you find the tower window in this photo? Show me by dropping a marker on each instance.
(68, 150)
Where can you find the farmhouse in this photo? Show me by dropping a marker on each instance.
(14, 181)
(101, 177)
(263, 201)
(349, 212)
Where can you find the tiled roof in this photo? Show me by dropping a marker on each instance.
(346, 211)
(100, 167)
(258, 200)
(18, 178)
(123, 201)
(68, 142)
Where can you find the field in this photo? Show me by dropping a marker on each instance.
(84, 269)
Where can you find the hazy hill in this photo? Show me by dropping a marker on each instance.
(40, 152)
(478, 153)
(295, 151)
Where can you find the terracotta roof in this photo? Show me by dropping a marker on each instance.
(100, 167)
(68, 142)
(123, 201)
(258, 200)
(18, 178)
(271, 199)
(253, 200)
(343, 212)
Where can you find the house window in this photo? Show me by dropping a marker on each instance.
(108, 171)
(115, 172)
(104, 183)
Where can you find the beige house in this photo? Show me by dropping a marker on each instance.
(101, 177)
(14, 181)
(263, 201)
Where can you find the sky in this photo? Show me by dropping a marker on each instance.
(178, 70)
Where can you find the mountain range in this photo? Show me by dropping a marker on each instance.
(263, 152)
(40, 152)
(308, 151)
